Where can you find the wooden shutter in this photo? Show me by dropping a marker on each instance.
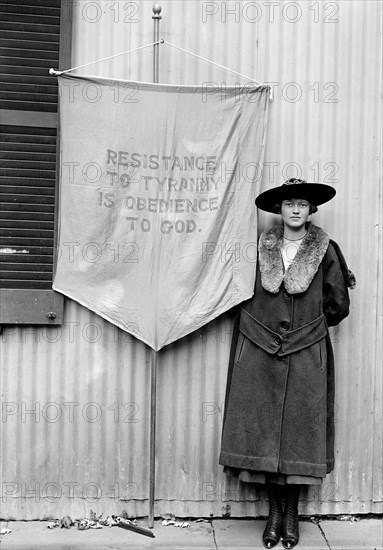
(34, 37)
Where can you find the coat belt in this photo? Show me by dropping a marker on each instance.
(286, 343)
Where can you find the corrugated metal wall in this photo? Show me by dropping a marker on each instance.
(85, 443)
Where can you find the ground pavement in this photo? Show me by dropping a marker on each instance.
(220, 534)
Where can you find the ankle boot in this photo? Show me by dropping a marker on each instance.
(290, 534)
(273, 529)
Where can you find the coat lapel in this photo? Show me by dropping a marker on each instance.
(300, 273)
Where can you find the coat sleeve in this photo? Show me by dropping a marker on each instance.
(336, 301)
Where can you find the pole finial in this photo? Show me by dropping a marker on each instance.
(156, 9)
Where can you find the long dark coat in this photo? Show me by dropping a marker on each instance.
(279, 407)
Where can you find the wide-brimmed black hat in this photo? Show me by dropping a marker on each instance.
(316, 193)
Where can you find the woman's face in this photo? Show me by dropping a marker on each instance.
(295, 212)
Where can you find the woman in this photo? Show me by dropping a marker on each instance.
(279, 421)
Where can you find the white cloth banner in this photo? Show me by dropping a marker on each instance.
(157, 225)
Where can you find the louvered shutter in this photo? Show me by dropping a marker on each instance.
(35, 35)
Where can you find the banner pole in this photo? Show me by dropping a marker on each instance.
(152, 451)
(156, 48)
(153, 354)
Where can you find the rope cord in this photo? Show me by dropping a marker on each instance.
(53, 72)
(212, 62)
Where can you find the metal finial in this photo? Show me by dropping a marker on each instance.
(156, 9)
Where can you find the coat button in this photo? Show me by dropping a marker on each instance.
(285, 325)
(278, 340)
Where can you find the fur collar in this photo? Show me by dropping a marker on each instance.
(300, 273)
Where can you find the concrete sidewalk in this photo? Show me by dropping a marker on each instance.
(225, 534)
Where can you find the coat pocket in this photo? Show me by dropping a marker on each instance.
(240, 344)
(323, 354)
